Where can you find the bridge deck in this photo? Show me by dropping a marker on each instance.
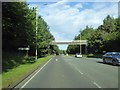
(76, 42)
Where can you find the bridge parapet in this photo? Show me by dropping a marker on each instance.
(75, 42)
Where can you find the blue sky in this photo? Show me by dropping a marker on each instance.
(66, 19)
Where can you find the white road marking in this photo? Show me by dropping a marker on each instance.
(56, 59)
(76, 68)
(36, 73)
(97, 85)
(80, 72)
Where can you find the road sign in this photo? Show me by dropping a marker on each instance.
(23, 48)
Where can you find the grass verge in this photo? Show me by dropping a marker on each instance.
(0, 81)
(19, 72)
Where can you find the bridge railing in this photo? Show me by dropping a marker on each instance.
(75, 42)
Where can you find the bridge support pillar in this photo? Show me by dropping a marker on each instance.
(80, 49)
(85, 49)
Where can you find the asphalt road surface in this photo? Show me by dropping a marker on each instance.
(70, 72)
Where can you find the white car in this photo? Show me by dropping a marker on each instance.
(78, 55)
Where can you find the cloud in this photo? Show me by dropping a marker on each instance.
(61, 0)
(67, 19)
(79, 5)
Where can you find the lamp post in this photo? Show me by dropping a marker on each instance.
(36, 33)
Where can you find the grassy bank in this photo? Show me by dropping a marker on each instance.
(19, 72)
(12, 59)
(0, 81)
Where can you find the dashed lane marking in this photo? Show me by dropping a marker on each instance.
(97, 85)
(76, 68)
(56, 60)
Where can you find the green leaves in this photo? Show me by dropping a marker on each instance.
(19, 29)
(105, 38)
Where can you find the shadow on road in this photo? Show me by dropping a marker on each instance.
(107, 63)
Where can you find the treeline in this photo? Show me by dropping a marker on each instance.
(19, 30)
(104, 38)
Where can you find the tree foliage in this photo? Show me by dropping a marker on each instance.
(104, 38)
(19, 30)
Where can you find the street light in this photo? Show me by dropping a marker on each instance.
(36, 33)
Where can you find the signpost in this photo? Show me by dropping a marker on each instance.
(24, 49)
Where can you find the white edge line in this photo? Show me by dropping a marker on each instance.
(36, 73)
(97, 85)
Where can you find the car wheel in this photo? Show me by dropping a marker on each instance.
(104, 61)
(114, 63)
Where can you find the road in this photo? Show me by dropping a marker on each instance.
(69, 72)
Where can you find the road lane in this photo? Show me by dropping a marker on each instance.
(105, 75)
(59, 74)
(69, 72)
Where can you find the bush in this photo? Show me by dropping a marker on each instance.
(14, 59)
(30, 59)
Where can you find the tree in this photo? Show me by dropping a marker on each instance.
(104, 38)
(109, 24)
(85, 35)
(19, 30)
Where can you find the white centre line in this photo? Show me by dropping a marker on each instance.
(97, 85)
(36, 73)
(76, 68)
(56, 59)
(80, 72)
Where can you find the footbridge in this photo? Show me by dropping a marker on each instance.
(75, 42)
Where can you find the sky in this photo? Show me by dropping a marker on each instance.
(66, 18)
